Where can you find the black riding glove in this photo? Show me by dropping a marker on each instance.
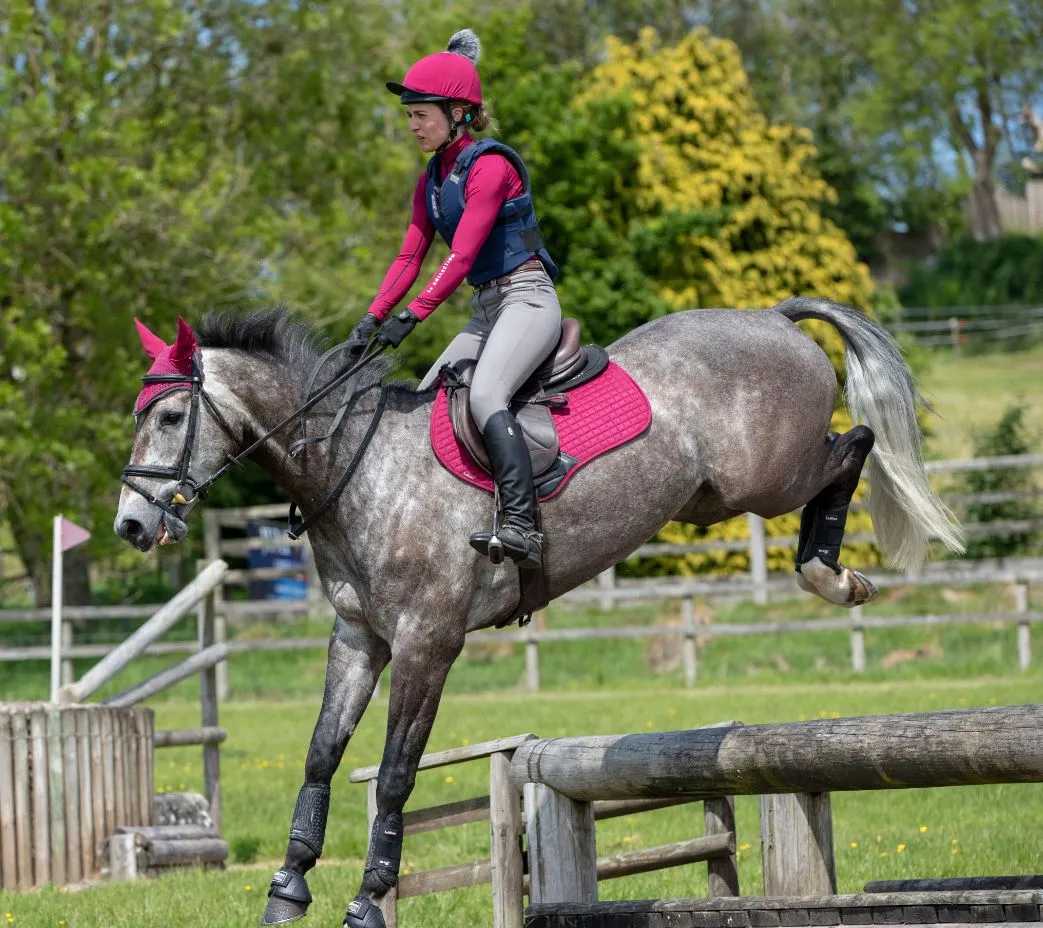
(359, 336)
(396, 328)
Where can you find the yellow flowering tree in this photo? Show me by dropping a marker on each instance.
(730, 211)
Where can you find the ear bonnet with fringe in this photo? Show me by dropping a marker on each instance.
(448, 75)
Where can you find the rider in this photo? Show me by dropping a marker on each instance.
(475, 193)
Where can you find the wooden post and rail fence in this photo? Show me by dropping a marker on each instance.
(545, 797)
(507, 869)
(793, 768)
(74, 777)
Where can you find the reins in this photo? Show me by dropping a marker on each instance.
(199, 490)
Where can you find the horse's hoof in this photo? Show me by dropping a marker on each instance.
(283, 911)
(863, 590)
(288, 898)
(363, 914)
(847, 588)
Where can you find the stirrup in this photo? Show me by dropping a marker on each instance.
(492, 545)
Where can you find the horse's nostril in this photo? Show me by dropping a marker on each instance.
(132, 528)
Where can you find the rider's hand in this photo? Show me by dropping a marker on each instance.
(396, 327)
(359, 336)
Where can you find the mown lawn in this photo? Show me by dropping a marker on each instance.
(945, 832)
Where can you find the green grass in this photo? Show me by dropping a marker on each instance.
(995, 827)
(970, 393)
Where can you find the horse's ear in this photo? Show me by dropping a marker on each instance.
(152, 344)
(185, 343)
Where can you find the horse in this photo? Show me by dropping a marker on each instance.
(741, 402)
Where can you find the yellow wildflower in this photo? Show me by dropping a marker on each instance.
(901, 848)
(854, 844)
(449, 779)
(248, 888)
(744, 847)
(923, 829)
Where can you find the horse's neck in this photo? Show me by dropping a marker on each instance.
(265, 392)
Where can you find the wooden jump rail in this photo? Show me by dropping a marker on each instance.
(507, 866)
(793, 768)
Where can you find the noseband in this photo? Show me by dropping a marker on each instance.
(180, 472)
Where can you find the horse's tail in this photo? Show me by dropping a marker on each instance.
(880, 393)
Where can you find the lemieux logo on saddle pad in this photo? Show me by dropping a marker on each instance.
(601, 415)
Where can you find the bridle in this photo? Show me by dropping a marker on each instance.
(181, 471)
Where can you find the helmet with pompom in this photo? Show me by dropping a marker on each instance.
(448, 75)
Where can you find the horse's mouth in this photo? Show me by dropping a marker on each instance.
(172, 533)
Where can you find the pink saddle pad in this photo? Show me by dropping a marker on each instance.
(603, 414)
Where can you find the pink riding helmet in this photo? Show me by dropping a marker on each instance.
(448, 75)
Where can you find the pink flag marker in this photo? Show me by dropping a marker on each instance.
(71, 534)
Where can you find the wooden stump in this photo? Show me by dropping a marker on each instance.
(68, 777)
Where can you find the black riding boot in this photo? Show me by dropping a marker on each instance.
(512, 471)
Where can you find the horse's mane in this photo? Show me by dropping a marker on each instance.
(278, 334)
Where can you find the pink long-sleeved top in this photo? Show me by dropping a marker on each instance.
(492, 181)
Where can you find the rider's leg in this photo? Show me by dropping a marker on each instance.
(468, 344)
(823, 521)
(526, 330)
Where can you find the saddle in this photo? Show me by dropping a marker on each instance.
(568, 366)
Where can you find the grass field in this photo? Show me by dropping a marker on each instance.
(975, 830)
(970, 393)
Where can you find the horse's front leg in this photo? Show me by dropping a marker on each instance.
(356, 658)
(420, 664)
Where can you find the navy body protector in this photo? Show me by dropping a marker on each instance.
(514, 239)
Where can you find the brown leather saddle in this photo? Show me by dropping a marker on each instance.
(568, 366)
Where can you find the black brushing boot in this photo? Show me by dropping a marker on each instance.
(512, 471)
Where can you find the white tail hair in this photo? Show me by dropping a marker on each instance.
(880, 393)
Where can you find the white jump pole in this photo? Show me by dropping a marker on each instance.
(56, 610)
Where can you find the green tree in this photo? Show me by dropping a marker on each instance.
(1015, 487)
(123, 195)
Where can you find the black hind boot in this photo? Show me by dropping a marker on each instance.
(512, 471)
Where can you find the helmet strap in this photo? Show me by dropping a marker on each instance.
(453, 125)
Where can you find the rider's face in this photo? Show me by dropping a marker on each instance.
(429, 125)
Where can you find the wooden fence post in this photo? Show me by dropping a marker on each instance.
(388, 905)
(689, 653)
(758, 558)
(607, 583)
(858, 641)
(797, 845)
(722, 872)
(563, 865)
(208, 710)
(532, 657)
(212, 550)
(505, 826)
(68, 674)
(1021, 606)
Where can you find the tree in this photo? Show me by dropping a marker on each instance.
(123, 195)
(943, 83)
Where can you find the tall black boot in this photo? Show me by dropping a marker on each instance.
(512, 471)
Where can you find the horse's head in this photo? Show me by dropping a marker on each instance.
(180, 441)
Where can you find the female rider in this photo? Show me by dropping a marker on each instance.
(475, 193)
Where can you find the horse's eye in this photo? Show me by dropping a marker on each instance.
(171, 418)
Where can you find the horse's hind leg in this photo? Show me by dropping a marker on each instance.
(419, 667)
(822, 524)
(356, 658)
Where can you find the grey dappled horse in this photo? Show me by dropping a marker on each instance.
(741, 404)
